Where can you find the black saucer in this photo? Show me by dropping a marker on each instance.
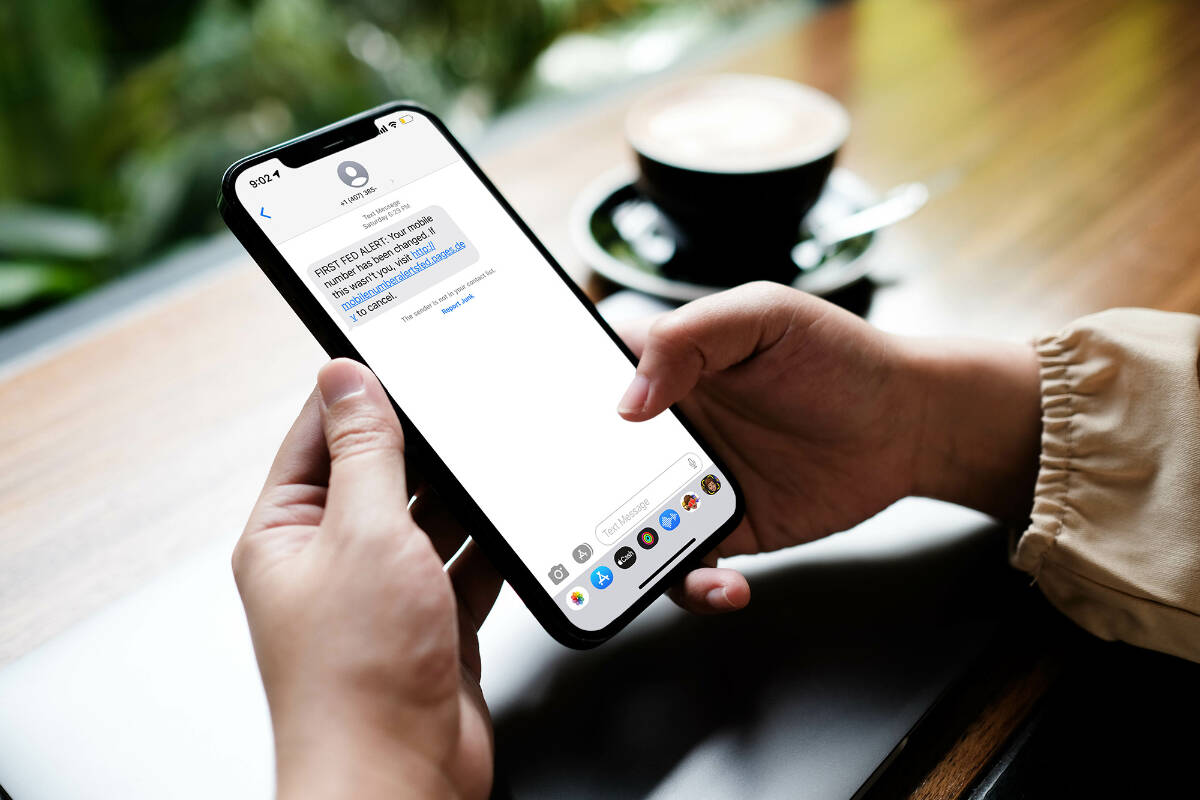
(624, 237)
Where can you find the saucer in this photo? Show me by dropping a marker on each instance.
(625, 238)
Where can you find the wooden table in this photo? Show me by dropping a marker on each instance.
(1061, 140)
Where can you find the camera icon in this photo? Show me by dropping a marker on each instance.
(558, 574)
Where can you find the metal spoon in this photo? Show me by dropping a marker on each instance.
(899, 203)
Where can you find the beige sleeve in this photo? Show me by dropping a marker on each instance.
(1115, 536)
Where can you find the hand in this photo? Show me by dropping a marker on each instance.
(825, 420)
(367, 647)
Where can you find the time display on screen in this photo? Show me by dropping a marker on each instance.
(263, 180)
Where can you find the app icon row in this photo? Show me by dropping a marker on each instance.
(625, 557)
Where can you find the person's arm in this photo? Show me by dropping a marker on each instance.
(1094, 434)
(980, 423)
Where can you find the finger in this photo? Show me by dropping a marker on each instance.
(468, 647)
(476, 582)
(712, 333)
(434, 517)
(712, 590)
(414, 471)
(302, 457)
(294, 490)
(634, 332)
(366, 449)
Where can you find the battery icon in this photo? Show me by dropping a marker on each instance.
(407, 118)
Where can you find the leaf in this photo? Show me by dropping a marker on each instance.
(23, 282)
(28, 230)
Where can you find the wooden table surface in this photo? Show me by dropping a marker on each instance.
(1061, 140)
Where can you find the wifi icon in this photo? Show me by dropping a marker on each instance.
(392, 124)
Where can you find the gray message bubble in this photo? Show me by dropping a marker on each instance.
(378, 273)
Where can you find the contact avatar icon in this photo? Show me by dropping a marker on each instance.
(353, 174)
(710, 484)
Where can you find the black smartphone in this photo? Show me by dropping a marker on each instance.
(395, 250)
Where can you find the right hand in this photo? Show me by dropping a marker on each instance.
(825, 420)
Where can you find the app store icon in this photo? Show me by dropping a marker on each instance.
(602, 577)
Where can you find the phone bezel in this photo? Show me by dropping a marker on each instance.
(541, 604)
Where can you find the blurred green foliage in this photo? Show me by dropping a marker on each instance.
(117, 117)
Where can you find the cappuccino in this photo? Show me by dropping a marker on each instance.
(744, 153)
(737, 123)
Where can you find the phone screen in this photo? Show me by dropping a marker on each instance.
(494, 360)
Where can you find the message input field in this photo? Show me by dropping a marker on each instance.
(618, 523)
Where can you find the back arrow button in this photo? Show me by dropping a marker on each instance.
(262, 212)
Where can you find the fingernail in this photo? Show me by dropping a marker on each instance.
(338, 380)
(635, 396)
(718, 598)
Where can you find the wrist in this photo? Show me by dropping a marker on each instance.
(979, 433)
(324, 761)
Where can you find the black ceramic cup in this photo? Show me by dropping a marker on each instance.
(734, 163)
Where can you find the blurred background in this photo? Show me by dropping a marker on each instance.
(121, 115)
(148, 371)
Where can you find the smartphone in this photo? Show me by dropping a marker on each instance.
(395, 250)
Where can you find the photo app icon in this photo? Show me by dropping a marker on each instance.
(577, 598)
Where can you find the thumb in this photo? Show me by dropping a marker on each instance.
(366, 448)
(711, 590)
(707, 335)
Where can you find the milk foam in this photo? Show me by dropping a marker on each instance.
(736, 123)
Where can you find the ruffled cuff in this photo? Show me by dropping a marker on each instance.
(1056, 355)
(1114, 537)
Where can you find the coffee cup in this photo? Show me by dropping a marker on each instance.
(734, 163)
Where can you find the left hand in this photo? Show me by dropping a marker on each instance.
(366, 645)
(827, 420)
